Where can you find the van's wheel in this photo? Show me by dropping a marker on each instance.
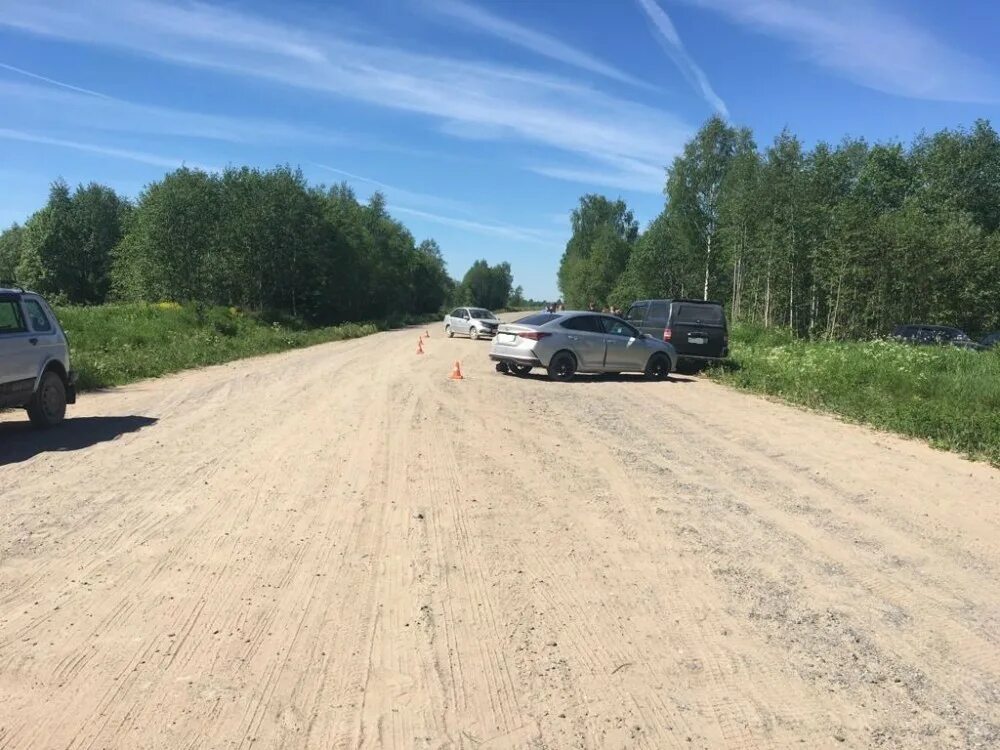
(519, 370)
(562, 366)
(451, 333)
(48, 406)
(658, 367)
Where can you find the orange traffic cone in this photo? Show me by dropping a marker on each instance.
(420, 346)
(456, 374)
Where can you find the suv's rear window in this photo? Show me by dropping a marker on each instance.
(692, 312)
(538, 319)
(39, 320)
(10, 317)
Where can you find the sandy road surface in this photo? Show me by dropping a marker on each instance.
(339, 547)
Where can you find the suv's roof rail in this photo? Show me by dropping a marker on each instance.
(4, 284)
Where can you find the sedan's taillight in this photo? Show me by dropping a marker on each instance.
(533, 335)
(667, 334)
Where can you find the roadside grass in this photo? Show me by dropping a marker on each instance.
(116, 344)
(947, 396)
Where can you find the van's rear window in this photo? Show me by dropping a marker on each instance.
(691, 313)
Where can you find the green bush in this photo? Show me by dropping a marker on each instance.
(947, 396)
(121, 343)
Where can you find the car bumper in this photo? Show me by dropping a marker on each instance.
(71, 387)
(516, 359)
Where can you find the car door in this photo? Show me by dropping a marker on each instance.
(656, 318)
(585, 336)
(18, 365)
(625, 348)
(698, 329)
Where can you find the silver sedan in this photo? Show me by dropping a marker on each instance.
(473, 322)
(570, 342)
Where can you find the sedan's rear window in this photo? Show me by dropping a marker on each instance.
(589, 323)
(538, 319)
(688, 312)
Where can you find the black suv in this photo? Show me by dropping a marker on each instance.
(696, 328)
(919, 333)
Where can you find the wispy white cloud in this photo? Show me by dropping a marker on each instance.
(507, 231)
(671, 42)
(142, 157)
(868, 44)
(511, 103)
(33, 106)
(397, 193)
(499, 229)
(53, 81)
(622, 174)
(536, 41)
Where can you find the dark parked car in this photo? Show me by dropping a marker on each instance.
(696, 328)
(990, 340)
(919, 333)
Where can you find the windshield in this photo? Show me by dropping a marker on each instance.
(538, 319)
(477, 312)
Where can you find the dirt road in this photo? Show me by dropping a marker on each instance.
(339, 547)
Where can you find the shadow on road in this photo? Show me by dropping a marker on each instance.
(585, 378)
(19, 441)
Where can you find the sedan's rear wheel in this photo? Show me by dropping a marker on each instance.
(562, 366)
(451, 333)
(48, 405)
(658, 367)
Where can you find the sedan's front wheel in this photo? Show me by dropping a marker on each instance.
(562, 367)
(658, 367)
(473, 334)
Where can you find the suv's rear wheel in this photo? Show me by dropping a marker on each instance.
(658, 367)
(48, 406)
(562, 366)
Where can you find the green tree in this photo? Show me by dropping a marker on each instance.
(486, 286)
(169, 251)
(49, 244)
(11, 243)
(598, 250)
(694, 191)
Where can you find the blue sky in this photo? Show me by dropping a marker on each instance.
(482, 122)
